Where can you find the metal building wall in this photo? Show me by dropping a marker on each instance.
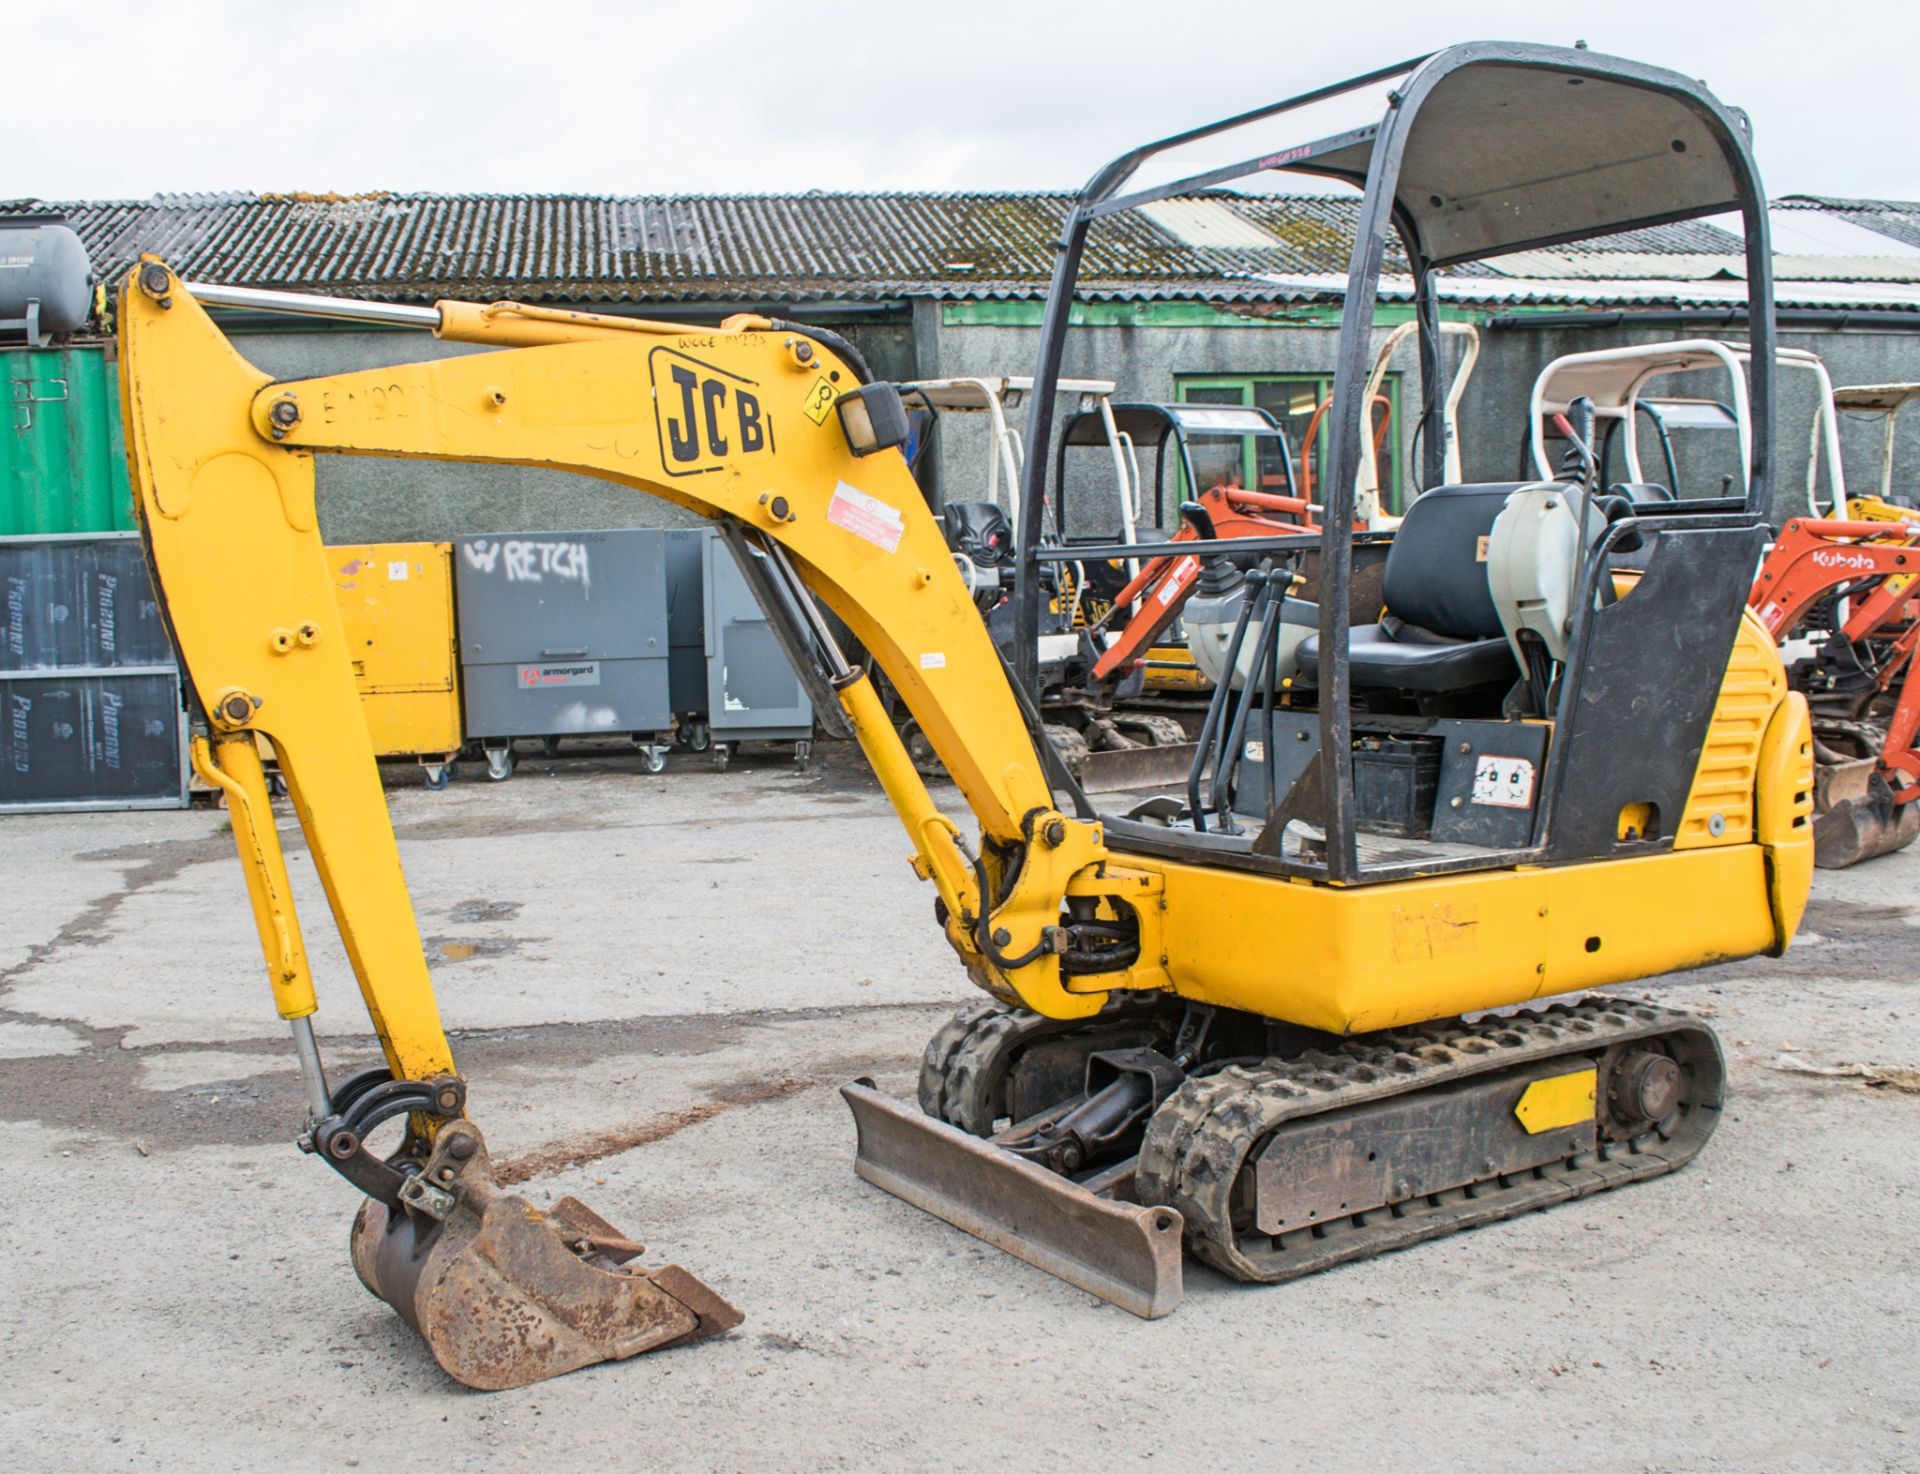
(1147, 360)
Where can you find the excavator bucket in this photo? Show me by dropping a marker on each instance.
(1126, 1254)
(504, 1293)
(1855, 817)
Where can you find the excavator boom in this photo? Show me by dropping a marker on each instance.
(739, 423)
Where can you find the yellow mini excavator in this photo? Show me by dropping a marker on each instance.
(1278, 1016)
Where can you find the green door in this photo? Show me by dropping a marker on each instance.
(62, 468)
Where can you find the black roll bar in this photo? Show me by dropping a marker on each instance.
(1379, 209)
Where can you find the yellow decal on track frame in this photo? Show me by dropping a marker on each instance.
(1559, 1100)
(819, 401)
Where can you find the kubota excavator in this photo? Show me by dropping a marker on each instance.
(1838, 587)
(1273, 1020)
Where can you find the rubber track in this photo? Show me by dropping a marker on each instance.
(965, 1063)
(1204, 1135)
(1158, 731)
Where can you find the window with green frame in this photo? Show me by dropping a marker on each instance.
(1291, 399)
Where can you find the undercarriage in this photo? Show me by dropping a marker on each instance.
(1279, 1151)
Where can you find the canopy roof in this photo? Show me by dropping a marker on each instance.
(980, 391)
(1500, 146)
(1146, 424)
(1876, 397)
(1513, 154)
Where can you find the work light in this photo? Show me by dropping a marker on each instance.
(873, 419)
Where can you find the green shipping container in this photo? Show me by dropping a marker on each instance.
(63, 467)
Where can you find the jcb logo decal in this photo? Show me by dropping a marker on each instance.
(707, 416)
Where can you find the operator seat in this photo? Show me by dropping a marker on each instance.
(980, 530)
(1441, 632)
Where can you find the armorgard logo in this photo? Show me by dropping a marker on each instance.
(110, 705)
(103, 597)
(541, 677)
(16, 617)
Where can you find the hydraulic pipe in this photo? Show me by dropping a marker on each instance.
(349, 309)
(932, 832)
(504, 324)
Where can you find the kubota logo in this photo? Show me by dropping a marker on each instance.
(1825, 559)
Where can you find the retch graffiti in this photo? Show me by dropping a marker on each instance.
(525, 560)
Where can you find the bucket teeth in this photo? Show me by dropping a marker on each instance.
(505, 1294)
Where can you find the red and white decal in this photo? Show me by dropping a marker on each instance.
(866, 517)
(1175, 582)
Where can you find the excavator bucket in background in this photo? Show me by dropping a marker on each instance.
(505, 1294)
(1855, 817)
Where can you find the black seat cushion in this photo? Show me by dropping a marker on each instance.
(1436, 573)
(1442, 631)
(1397, 656)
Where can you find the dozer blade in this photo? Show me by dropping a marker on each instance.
(1122, 769)
(504, 1294)
(1126, 1254)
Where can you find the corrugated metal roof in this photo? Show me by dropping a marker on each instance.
(1897, 219)
(861, 247)
(1493, 291)
(1203, 221)
(666, 248)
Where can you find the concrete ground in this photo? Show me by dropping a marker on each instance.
(611, 949)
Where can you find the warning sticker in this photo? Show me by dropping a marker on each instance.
(819, 401)
(1503, 782)
(1175, 582)
(866, 517)
(934, 660)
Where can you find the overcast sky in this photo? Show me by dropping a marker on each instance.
(120, 100)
